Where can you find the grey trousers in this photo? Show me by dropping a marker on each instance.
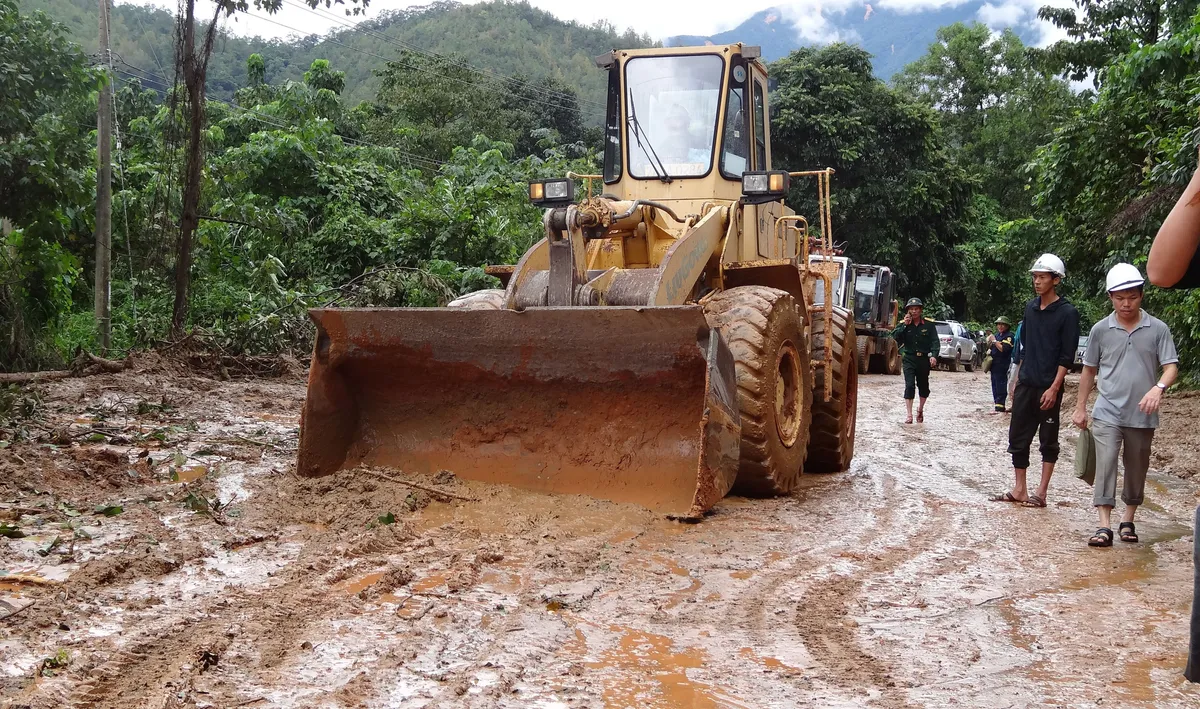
(1133, 446)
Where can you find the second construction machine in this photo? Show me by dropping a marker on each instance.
(658, 345)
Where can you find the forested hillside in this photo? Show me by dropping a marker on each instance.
(503, 37)
(978, 157)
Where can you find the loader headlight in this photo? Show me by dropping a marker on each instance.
(552, 193)
(760, 187)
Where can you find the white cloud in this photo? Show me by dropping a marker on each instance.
(1000, 16)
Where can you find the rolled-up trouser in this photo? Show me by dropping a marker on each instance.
(999, 384)
(1192, 672)
(1029, 418)
(1133, 445)
(916, 376)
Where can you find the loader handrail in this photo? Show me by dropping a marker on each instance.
(823, 203)
(801, 236)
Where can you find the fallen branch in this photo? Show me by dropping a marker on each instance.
(22, 608)
(85, 365)
(423, 488)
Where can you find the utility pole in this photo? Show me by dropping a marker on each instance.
(103, 300)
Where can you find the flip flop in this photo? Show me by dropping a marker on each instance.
(1130, 536)
(1034, 501)
(1006, 497)
(1102, 538)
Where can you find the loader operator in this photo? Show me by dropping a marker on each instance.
(918, 340)
(678, 145)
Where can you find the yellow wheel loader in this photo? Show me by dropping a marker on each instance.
(656, 346)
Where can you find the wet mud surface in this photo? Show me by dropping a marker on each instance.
(226, 581)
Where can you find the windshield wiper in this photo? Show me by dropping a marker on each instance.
(656, 164)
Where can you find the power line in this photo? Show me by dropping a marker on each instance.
(494, 77)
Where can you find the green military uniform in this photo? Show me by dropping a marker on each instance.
(918, 342)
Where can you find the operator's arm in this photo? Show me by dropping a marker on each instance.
(1172, 256)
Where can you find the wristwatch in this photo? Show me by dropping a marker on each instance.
(1162, 386)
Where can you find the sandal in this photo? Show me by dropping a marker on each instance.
(1102, 538)
(1034, 501)
(909, 419)
(1130, 536)
(1006, 497)
(920, 416)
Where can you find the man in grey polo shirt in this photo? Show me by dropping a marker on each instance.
(1124, 354)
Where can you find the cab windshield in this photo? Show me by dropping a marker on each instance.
(671, 105)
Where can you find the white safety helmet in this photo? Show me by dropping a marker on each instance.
(1049, 263)
(1122, 276)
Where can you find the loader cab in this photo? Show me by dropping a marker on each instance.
(840, 277)
(874, 290)
(684, 123)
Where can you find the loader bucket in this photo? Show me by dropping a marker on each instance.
(625, 404)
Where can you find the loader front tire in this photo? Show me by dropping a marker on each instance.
(489, 299)
(831, 439)
(765, 334)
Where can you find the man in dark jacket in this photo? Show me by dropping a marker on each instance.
(1046, 350)
(918, 340)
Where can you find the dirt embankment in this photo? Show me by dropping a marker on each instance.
(172, 558)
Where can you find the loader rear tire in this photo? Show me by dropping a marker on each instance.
(489, 299)
(831, 438)
(766, 337)
(893, 357)
(865, 358)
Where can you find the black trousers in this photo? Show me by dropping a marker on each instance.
(916, 376)
(1028, 418)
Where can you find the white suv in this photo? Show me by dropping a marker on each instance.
(957, 346)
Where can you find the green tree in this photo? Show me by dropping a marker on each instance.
(1113, 170)
(995, 104)
(45, 172)
(898, 197)
(1101, 31)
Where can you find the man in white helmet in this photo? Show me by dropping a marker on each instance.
(1045, 351)
(1125, 352)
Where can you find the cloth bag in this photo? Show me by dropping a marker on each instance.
(987, 363)
(1085, 457)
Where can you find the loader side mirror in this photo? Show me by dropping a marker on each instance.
(765, 186)
(552, 193)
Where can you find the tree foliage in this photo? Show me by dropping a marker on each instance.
(899, 198)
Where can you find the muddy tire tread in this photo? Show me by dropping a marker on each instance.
(744, 317)
(865, 359)
(831, 438)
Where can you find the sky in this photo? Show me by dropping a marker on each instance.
(660, 19)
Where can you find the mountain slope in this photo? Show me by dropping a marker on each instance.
(509, 38)
(893, 38)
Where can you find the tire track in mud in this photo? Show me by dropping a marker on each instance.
(823, 614)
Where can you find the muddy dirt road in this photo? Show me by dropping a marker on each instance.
(225, 581)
